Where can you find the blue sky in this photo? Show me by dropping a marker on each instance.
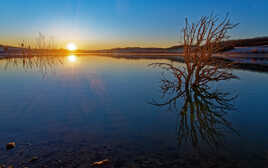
(96, 24)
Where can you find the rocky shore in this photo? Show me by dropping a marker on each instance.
(83, 155)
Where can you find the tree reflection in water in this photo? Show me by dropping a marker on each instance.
(42, 64)
(202, 117)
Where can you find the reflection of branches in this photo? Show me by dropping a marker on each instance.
(202, 115)
(205, 111)
(43, 64)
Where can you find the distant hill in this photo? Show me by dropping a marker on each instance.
(138, 50)
(4, 48)
(226, 46)
(258, 41)
(173, 49)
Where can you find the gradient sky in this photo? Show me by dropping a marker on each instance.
(96, 24)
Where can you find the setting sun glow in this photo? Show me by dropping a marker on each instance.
(72, 58)
(71, 47)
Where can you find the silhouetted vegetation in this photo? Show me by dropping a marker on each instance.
(201, 40)
(40, 56)
(202, 116)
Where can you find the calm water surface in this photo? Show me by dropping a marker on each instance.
(92, 102)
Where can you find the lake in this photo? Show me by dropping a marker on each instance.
(81, 109)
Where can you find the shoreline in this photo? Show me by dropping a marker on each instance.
(244, 61)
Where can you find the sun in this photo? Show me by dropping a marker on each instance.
(71, 47)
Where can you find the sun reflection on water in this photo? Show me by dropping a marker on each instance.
(72, 58)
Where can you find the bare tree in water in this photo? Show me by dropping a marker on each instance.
(202, 115)
(201, 41)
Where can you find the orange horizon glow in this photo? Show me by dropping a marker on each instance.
(92, 45)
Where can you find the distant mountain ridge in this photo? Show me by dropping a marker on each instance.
(226, 45)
